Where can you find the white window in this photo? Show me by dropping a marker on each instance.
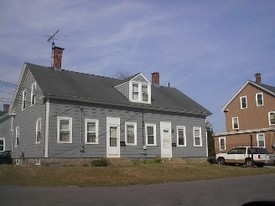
(64, 130)
(135, 92)
(24, 99)
(17, 136)
(150, 133)
(181, 136)
(235, 123)
(38, 131)
(222, 143)
(33, 94)
(131, 133)
(243, 102)
(261, 140)
(197, 140)
(140, 92)
(145, 93)
(271, 118)
(91, 131)
(259, 99)
(2, 144)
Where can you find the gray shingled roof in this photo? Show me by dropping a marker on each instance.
(265, 86)
(74, 86)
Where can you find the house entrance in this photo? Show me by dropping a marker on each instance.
(166, 139)
(113, 137)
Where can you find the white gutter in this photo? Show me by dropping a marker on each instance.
(249, 131)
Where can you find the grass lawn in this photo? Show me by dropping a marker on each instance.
(121, 175)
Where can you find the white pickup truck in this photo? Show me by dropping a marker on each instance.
(245, 155)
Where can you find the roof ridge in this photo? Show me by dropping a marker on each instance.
(77, 72)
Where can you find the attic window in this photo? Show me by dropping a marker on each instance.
(33, 94)
(140, 92)
(24, 99)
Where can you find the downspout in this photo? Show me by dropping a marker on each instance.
(206, 145)
(47, 122)
(12, 132)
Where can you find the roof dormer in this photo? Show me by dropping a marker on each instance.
(137, 89)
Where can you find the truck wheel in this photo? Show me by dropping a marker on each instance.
(221, 161)
(249, 163)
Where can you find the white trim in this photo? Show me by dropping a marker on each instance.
(70, 129)
(33, 93)
(194, 137)
(15, 97)
(17, 134)
(4, 143)
(24, 100)
(112, 151)
(269, 122)
(258, 136)
(237, 93)
(256, 99)
(224, 139)
(96, 130)
(272, 129)
(206, 145)
(232, 122)
(47, 123)
(139, 92)
(241, 102)
(38, 129)
(135, 133)
(184, 136)
(154, 133)
(166, 139)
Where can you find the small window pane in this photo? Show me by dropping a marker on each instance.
(181, 136)
(130, 134)
(113, 136)
(64, 136)
(91, 137)
(91, 126)
(64, 125)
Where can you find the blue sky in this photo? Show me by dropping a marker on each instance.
(206, 49)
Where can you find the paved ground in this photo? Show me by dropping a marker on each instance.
(231, 191)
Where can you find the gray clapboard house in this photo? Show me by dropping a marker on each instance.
(60, 115)
(5, 129)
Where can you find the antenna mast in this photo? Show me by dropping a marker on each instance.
(51, 39)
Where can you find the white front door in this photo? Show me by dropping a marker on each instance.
(113, 137)
(166, 139)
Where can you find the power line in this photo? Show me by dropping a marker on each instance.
(5, 100)
(8, 83)
(6, 92)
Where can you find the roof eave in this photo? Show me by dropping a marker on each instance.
(135, 106)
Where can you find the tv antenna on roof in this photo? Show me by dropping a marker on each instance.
(51, 38)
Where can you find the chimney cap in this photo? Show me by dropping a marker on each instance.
(57, 47)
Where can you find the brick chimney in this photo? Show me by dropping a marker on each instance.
(6, 108)
(155, 78)
(57, 58)
(258, 78)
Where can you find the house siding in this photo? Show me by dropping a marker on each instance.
(251, 118)
(5, 131)
(26, 121)
(123, 89)
(100, 113)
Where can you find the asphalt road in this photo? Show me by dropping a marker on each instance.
(230, 191)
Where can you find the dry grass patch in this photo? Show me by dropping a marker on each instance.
(121, 175)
